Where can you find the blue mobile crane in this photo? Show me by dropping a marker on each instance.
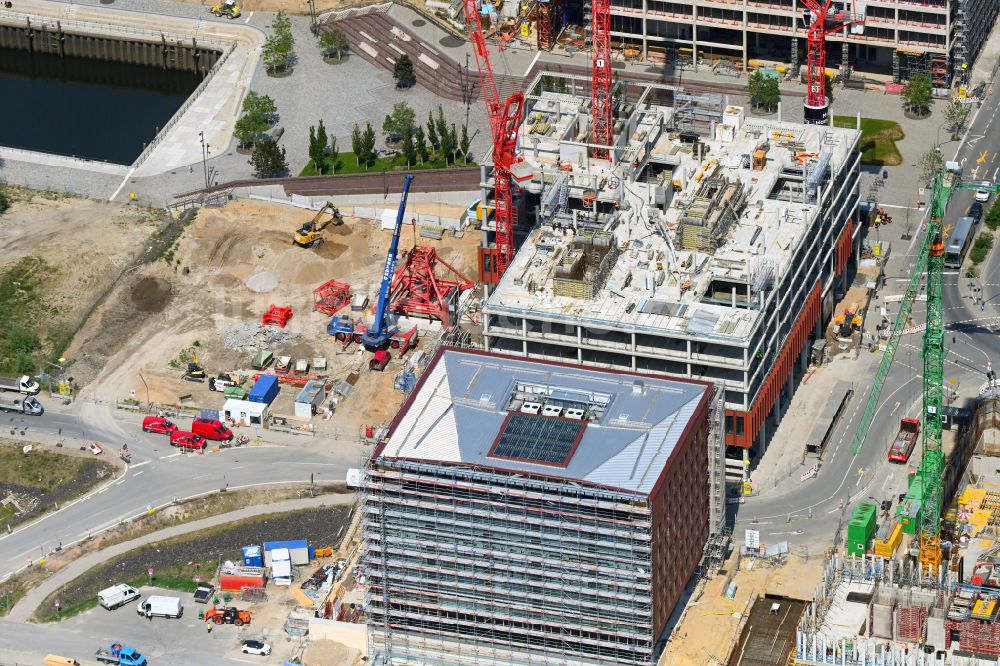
(382, 333)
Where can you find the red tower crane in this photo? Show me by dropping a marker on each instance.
(817, 104)
(601, 102)
(505, 121)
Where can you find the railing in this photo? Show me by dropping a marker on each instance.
(89, 27)
(192, 98)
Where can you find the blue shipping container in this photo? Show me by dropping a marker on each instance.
(253, 556)
(265, 390)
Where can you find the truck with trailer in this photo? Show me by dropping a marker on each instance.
(117, 595)
(157, 606)
(29, 405)
(906, 440)
(23, 384)
(121, 655)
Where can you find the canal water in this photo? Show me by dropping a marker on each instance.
(86, 108)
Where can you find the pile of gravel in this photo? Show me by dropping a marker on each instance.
(262, 282)
(251, 335)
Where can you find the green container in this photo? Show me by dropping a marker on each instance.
(861, 529)
(235, 392)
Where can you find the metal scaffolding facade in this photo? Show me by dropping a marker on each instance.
(470, 566)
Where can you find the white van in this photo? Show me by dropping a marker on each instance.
(117, 595)
(160, 607)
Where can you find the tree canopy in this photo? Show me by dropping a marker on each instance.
(764, 91)
(917, 93)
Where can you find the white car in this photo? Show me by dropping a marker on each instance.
(984, 191)
(256, 647)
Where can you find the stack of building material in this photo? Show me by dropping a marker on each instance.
(910, 621)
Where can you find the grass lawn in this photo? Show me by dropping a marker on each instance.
(39, 469)
(347, 164)
(878, 139)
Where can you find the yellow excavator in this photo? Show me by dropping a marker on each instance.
(227, 8)
(311, 232)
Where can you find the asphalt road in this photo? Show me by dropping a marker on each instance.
(807, 513)
(158, 474)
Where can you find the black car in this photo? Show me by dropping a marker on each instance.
(976, 211)
(203, 593)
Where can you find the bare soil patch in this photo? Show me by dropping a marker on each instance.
(151, 294)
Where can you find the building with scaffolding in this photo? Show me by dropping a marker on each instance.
(531, 512)
(709, 247)
(897, 37)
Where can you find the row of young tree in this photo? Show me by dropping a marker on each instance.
(279, 45)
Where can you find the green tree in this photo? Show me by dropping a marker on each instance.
(4, 196)
(317, 147)
(441, 125)
(453, 144)
(333, 153)
(421, 141)
(249, 128)
(272, 54)
(931, 162)
(401, 119)
(333, 42)
(261, 105)
(278, 47)
(282, 27)
(956, 115)
(409, 149)
(402, 70)
(917, 94)
(368, 146)
(764, 91)
(356, 143)
(432, 134)
(268, 159)
(464, 144)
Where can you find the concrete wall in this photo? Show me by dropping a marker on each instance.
(168, 54)
(354, 636)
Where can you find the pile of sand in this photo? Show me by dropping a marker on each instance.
(263, 282)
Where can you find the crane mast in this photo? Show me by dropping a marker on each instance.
(505, 121)
(601, 99)
(817, 103)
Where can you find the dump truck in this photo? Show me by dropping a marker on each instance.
(28, 405)
(122, 655)
(228, 8)
(906, 440)
(23, 384)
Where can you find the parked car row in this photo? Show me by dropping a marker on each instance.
(202, 429)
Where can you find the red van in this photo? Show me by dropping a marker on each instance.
(158, 424)
(212, 429)
(187, 440)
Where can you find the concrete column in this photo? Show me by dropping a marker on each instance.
(689, 350)
(645, 28)
(524, 348)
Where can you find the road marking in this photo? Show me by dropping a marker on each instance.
(139, 473)
(122, 184)
(250, 16)
(144, 462)
(886, 482)
(172, 455)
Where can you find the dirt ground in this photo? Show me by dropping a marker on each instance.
(192, 297)
(82, 246)
(709, 628)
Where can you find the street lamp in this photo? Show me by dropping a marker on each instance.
(204, 156)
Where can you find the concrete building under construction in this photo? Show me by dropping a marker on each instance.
(530, 512)
(709, 247)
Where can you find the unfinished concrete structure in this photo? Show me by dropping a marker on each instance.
(891, 37)
(528, 512)
(709, 246)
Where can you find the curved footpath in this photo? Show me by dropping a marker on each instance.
(25, 608)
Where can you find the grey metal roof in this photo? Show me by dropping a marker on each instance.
(458, 411)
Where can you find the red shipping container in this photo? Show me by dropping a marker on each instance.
(243, 577)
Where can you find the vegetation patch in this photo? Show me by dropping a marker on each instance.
(878, 139)
(175, 562)
(981, 248)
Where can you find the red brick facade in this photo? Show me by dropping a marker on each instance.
(679, 508)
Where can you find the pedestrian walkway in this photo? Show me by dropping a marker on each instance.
(212, 111)
(25, 608)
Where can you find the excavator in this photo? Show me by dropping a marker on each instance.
(227, 8)
(195, 373)
(311, 232)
